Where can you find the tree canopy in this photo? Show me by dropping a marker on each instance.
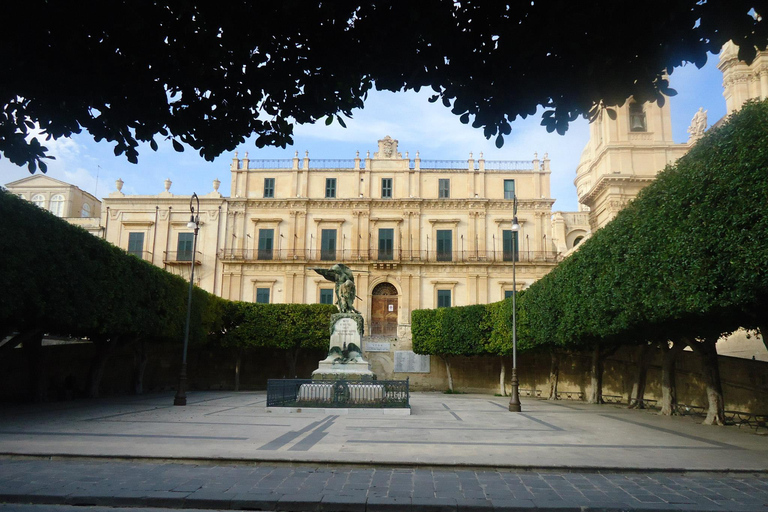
(210, 74)
(684, 259)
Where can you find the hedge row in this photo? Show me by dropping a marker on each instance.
(687, 259)
(482, 329)
(57, 278)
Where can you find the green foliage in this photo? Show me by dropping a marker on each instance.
(208, 75)
(483, 329)
(60, 279)
(686, 258)
(281, 326)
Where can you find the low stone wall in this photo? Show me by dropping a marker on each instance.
(65, 369)
(744, 381)
(65, 372)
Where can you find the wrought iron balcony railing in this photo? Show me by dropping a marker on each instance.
(144, 255)
(181, 257)
(397, 256)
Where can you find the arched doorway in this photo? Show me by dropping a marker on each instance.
(384, 309)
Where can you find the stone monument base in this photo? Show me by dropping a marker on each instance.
(345, 359)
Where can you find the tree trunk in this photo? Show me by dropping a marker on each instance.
(448, 371)
(637, 394)
(596, 389)
(238, 361)
(502, 377)
(33, 349)
(104, 349)
(292, 357)
(710, 372)
(668, 387)
(139, 365)
(554, 374)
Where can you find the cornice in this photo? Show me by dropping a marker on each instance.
(613, 179)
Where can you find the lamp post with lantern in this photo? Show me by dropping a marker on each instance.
(194, 224)
(514, 396)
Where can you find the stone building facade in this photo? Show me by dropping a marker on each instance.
(62, 199)
(416, 233)
(624, 153)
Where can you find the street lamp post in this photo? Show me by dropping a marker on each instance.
(514, 398)
(194, 223)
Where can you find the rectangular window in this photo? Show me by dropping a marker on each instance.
(136, 244)
(184, 247)
(328, 244)
(269, 187)
(508, 294)
(509, 189)
(444, 188)
(262, 295)
(510, 245)
(330, 187)
(443, 298)
(444, 244)
(386, 244)
(326, 296)
(266, 243)
(386, 188)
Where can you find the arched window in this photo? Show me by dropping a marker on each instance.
(39, 200)
(578, 240)
(86, 211)
(57, 205)
(636, 117)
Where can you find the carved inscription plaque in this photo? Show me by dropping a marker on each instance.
(377, 346)
(408, 362)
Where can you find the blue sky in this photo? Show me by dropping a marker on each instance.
(417, 124)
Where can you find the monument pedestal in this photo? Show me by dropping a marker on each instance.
(345, 356)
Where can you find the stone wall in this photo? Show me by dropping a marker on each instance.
(65, 372)
(744, 381)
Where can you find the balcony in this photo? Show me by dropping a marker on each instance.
(142, 255)
(386, 259)
(181, 257)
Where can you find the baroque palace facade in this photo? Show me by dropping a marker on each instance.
(416, 233)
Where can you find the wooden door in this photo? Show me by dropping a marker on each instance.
(384, 309)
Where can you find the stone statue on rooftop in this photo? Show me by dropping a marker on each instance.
(698, 125)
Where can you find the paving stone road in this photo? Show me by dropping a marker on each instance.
(453, 453)
(367, 489)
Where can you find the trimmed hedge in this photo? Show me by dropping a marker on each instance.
(687, 258)
(482, 329)
(59, 279)
(282, 326)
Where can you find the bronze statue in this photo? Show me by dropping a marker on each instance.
(345, 286)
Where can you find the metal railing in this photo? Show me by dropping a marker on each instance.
(349, 163)
(181, 257)
(143, 255)
(331, 163)
(508, 165)
(337, 393)
(397, 256)
(444, 164)
(275, 163)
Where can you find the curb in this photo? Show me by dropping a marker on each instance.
(215, 461)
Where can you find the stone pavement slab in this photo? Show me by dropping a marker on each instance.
(451, 430)
(294, 488)
(225, 451)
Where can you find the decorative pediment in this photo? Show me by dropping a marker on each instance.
(387, 149)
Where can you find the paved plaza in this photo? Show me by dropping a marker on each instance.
(224, 450)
